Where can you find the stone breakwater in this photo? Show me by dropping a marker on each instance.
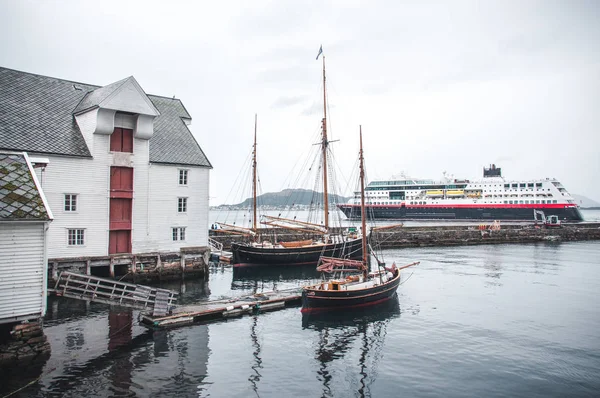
(447, 235)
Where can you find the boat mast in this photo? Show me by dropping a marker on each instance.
(324, 144)
(254, 178)
(363, 216)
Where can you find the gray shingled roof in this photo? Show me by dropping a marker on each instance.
(93, 98)
(19, 196)
(36, 115)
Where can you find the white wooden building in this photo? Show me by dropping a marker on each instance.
(24, 219)
(123, 172)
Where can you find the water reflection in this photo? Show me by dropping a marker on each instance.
(493, 265)
(271, 278)
(257, 365)
(338, 334)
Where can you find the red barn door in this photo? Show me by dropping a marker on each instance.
(121, 199)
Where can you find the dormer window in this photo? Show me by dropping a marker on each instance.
(121, 140)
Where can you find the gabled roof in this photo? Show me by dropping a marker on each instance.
(104, 97)
(36, 115)
(21, 199)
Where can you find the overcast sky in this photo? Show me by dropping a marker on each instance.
(437, 86)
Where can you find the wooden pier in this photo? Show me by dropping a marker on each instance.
(227, 308)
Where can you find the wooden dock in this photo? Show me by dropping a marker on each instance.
(226, 308)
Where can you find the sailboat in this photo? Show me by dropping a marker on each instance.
(354, 285)
(303, 252)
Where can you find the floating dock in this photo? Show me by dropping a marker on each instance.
(225, 308)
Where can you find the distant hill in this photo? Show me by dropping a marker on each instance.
(586, 203)
(289, 197)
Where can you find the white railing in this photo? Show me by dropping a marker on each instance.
(215, 246)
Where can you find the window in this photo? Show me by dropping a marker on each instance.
(121, 140)
(70, 202)
(182, 205)
(178, 233)
(183, 177)
(76, 237)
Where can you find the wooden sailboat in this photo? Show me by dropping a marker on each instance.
(304, 252)
(348, 290)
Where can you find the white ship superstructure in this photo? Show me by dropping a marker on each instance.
(493, 198)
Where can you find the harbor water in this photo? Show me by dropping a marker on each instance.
(516, 320)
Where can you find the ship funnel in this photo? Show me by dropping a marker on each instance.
(492, 171)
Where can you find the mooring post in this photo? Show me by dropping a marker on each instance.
(133, 264)
(182, 256)
(158, 262)
(88, 267)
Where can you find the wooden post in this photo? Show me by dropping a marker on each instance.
(111, 268)
(55, 271)
(158, 262)
(182, 261)
(133, 267)
(88, 267)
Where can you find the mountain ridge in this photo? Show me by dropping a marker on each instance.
(288, 197)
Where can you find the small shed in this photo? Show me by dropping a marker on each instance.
(24, 219)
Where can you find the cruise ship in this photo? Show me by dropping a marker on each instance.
(492, 198)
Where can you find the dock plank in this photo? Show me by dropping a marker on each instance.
(224, 308)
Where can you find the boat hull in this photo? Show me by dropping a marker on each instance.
(315, 301)
(251, 256)
(461, 212)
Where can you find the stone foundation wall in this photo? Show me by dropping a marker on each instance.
(25, 341)
(449, 235)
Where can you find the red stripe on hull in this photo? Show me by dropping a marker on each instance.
(472, 206)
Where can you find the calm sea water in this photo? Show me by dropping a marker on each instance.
(479, 321)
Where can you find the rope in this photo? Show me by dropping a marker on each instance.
(29, 384)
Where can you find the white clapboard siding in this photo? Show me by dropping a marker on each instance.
(89, 181)
(154, 212)
(154, 233)
(22, 271)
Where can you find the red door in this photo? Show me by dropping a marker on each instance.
(121, 199)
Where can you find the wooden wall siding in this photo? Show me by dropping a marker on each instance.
(87, 125)
(120, 214)
(121, 182)
(162, 215)
(121, 140)
(22, 271)
(88, 179)
(154, 198)
(119, 242)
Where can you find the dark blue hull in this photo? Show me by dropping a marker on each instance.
(467, 212)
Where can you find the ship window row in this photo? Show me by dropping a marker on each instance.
(530, 201)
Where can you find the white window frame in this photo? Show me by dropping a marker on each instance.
(78, 237)
(182, 204)
(178, 234)
(183, 177)
(72, 209)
